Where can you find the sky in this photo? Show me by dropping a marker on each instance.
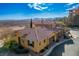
(35, 10)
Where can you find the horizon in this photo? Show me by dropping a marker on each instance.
(17, 11)
(30, 19)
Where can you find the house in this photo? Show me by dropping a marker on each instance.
(39, 36)
(35, 39)
(73, 18)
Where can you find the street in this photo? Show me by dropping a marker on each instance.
(69, 48)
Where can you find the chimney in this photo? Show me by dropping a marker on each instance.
(31, 23)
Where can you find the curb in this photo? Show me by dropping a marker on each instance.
(51, 48)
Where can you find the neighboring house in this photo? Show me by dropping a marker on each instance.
(73, 17)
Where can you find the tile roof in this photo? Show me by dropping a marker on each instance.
(36, 34)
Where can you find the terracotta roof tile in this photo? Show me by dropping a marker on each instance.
(36, 34)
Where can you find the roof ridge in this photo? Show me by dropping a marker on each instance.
(36, 34)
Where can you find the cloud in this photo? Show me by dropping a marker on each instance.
(69, 4)
(30, 5)
(38, 6)
(74, 7)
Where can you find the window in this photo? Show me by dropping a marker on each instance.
(40, 43)
(44, 41)
(31, 43)
(19, 40)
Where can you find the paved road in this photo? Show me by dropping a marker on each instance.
(69, 48)
(75, 33)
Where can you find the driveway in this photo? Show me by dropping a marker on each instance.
(69, 48)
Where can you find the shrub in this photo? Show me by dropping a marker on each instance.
(9, 45)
